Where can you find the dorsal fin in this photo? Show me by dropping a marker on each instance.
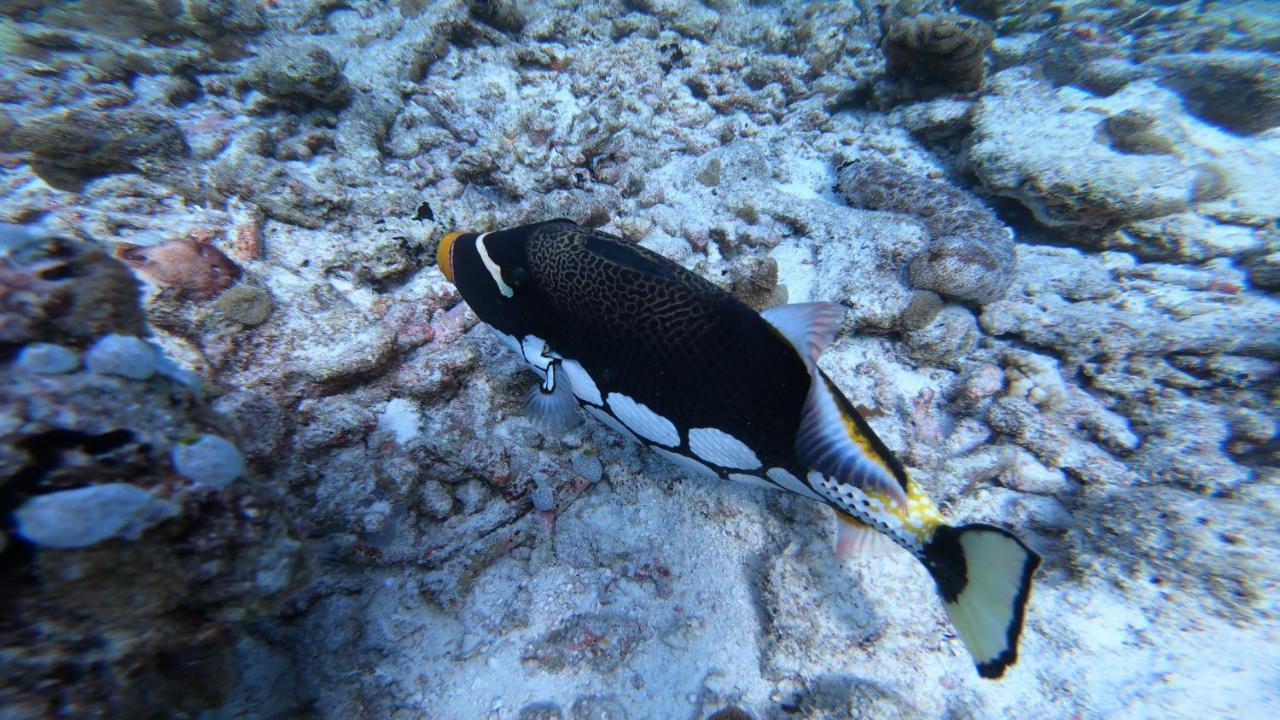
(810, 327)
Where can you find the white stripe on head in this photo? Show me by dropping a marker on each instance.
(494, 271)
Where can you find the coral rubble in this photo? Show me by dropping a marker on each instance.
(226, 354)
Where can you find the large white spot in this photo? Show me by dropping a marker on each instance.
(583, 386)
(611, 421)
(721, 448)
(508, 340)
(752, 480)
(790, 482)
(494, 271)
(643, 421)
(687, 463)
(535, 352)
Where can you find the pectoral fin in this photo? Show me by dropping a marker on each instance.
(552, 404)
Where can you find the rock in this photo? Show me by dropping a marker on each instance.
(437, 500)
(543, 497)
(970, 254)
(1264, 270)
(946, 340)
(472, 496)
(588, 467)
(66, 149)
(937, 53)
(87, 516)
(265, 424)
(1060, 170)
(208, 460)
(598, 707)
(1184, 237)
(599, 641)
(245, 305)
(504, 15)
(122, 355)
(541, 711)
(1238, 91)
(49, 359)
(302, 76)
(66, 292)
(1077, 53)
(1133, 132)
(753, 279)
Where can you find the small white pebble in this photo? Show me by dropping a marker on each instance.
(48, 359)
(209, 460)
(122, 355)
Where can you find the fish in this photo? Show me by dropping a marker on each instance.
(674, 362)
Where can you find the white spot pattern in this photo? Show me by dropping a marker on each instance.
(721, 448)
(790, 482)
(643, 421)
(535, 352)
(612, 422)
(583, 386)
(752, 480)
(688, 463)
(508, 340)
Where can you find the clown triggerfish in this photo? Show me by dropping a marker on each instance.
(669, 359)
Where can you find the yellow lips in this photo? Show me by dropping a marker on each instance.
(444, 254)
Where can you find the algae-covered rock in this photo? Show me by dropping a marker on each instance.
(1238, 91)
(937, 53)
(65, 291)
(65, 149)
(104, 549)
(303, 76)
(1068, 173)
(196, 269)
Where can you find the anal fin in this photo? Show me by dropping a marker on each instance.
(855, 538)
(552, 405)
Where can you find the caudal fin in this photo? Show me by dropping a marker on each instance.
(984, 575)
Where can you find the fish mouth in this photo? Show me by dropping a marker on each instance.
(444, 254)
